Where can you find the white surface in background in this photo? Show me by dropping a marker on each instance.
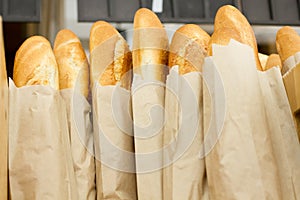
(157, 6)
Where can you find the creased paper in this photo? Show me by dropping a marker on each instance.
(184, 175)
(40, 162)
(290, 63)
(81, 142)
(148, 114)
(114, 148)
(286, 146)
(241, 165)
(291, 80)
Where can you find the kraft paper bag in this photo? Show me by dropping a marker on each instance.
(112, 123)
(240, 159)
(113, 140)
(291, 78)
(3, 121)
(40, 161)
(184, 175)
(148, 97)
(286, 146)
(81, 142)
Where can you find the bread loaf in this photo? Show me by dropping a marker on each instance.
(35, 64)
(150, 46)
(110, 55)
(287, 42)
(231, 23)
(188, 48)
(72, 62)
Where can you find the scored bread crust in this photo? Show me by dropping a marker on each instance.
(188, 48)
(118, 54)
(229, 17)
(287, 42)
(35, 64)
(72, 62)
(150, 43)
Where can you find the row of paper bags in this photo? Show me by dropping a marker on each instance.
(226, 133)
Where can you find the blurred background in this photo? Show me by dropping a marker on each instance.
(23, 18)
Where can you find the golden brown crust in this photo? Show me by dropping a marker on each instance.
(188, 48)
(273, 61)
(287, 42)
(228, 17)
(105, 38)
(150, 43)
(100, 32)
(111, 75)
(72, 62)
(145, 18)
(35, 64)
(222, 37)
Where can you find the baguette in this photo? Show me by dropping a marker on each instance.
(287, 42)
(35, 64)
(231, 23)
(188, 48)
(115, 53)
(72, 62)
(150, 46)
(273, 61)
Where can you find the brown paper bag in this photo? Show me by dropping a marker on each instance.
(240, 159)
(113, 135)
(291, 78)
(286, 146)
(184, 176)
(81, 142)
(40, 162)
(148, 98)
(113, 140)
(3, 121)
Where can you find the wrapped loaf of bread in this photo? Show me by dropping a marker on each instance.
(73, 70)
(150, 59)
(184, 174)
(238, 131)
(40, 162)
(110, 73)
